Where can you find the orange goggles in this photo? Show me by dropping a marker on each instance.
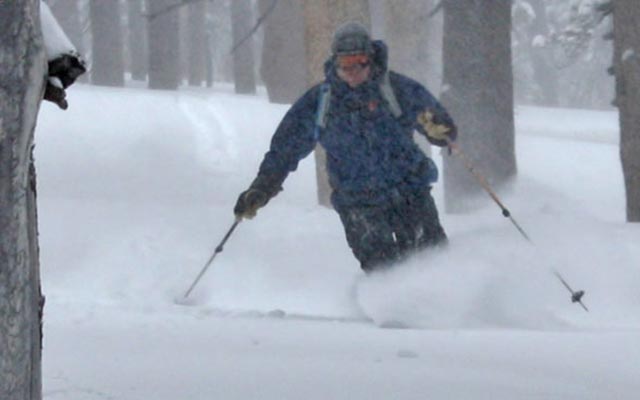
(353, 61)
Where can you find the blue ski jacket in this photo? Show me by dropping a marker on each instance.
(371, 154)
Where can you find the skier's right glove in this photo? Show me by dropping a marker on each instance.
(249, 202)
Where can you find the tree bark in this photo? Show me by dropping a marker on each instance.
(243, 58)
(22, 69)
(478, 92)
(407, 36)
(107, 68)
(626, 15)
(283, 67)
(137, 38)
(544, 72)
(322, 17)
(197, 31)
(164, 45)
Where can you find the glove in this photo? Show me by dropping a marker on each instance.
(62, 72)
(438, 132)
(249, 202)
(55, 93)
(67, 68)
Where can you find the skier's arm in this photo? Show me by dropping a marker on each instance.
(293, 140)
(424, 111)
(64, 62)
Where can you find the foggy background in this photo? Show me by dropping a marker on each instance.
(559, 57)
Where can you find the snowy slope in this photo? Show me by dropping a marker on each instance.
(137, 187)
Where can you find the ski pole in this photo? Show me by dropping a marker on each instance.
(213, 256)
(576, 296)
(455, 149)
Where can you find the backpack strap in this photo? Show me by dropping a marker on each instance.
(388, 94)
(323, 105)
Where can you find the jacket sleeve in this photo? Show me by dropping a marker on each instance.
(293, 140)
(416, 99)
(65, 65)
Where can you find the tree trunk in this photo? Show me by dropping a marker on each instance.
(321, 18)
(107, 68)
(23, 64)
(544, 72)
(243, 58)
(283, 67)
(626, 15)
(478, 92)
(164, 45)
(197, 33)
(137, 38)
(407, 35)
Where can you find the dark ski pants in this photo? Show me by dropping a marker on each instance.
(383, 234)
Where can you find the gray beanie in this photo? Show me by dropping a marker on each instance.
(351, 38)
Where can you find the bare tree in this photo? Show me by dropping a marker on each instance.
(198, 45)
(626, 14)
(108, 52)
(478, 91)
(23, 64)
(243, 57)
(164, 47)
(407, 34)
(137, 40)
(283, 67)
(321, 18)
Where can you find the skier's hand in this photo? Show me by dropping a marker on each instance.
(249, 202)
(438, 132)
(54, 93)
(62, 72)
(67, 68)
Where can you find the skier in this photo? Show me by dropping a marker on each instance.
(364, 116)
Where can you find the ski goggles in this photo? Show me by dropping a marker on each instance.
(353, 62)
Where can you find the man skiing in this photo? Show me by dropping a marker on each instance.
(364, 116)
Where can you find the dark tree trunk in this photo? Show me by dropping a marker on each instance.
(407, 34)
(283, 67)
(23, 65)
(137, 39)
(478, 91)
(164, 45)
(197, 46)
(107, 68)
(626, 15)
(243, 58)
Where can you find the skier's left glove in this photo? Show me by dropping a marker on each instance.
(62, 72)
(249, 202)
(437, 131)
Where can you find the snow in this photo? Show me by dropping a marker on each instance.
(56, 42)
(137, 187)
